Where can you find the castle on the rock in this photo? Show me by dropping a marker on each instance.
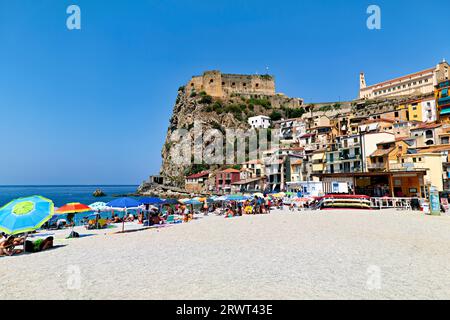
(220, 85)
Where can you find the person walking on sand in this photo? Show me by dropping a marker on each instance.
(205, 208)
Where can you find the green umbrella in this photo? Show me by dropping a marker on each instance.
(25, 214)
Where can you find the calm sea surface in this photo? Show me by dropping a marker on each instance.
(63, 194)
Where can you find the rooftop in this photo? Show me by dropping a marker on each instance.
(230, 170)
(439, 148)
(427, 126)
(198, 175)
(381, 152)
(395, 80)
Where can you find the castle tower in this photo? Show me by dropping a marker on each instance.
(362, 81)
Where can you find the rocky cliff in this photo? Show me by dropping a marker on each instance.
(215, 113)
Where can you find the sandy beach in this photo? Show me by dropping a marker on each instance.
(314, 255)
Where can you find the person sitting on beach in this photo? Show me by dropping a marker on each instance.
(129, 218)
(116, 219)
(156, 219)
(230, 213)
(16, 241)
(61, 223)
(39, 245)
(140, 218)
(7, 247)
(186, 216)
(292, 206)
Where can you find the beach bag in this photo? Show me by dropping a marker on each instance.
(73, 234)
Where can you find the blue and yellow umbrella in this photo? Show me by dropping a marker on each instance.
(25, 214)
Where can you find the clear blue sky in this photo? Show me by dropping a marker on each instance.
(92, 106)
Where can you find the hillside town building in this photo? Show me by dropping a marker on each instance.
(394, 141)
(417, 83)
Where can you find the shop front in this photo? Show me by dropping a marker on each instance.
(402, 184)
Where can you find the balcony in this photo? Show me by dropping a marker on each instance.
(444, 101)
(408, 166)
(346, 170)
(376, 166)
(350, 157)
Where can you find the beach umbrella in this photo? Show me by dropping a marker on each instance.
(221, 198)
(123, 203)
(236, 197)
(171, 201)
(98, 206)
(74, 207)
(258, 194)
(71, 209)
(25, 214)
(193, 202)
(151, 200)
(150, 203)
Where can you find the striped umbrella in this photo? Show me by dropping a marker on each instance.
(74, 207)
(71, 209)
(25, 214)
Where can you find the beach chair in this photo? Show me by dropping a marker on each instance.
(170, 219)
(173, 219)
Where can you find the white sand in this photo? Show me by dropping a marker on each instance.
(316, 255)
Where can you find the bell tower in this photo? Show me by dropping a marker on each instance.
(362, 81)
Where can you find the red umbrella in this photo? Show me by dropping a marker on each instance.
(71, 208)
(74, 207)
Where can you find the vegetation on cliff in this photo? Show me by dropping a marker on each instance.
(214, 113)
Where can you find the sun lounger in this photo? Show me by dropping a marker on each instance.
(173, 219)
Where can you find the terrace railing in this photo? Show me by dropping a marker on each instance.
(395, 203)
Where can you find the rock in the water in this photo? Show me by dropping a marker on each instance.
(99, 193)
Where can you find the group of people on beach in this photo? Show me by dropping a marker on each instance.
(148, 217)
(9, 243)
(155, 216)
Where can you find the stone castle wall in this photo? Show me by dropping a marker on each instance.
(217, 84)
